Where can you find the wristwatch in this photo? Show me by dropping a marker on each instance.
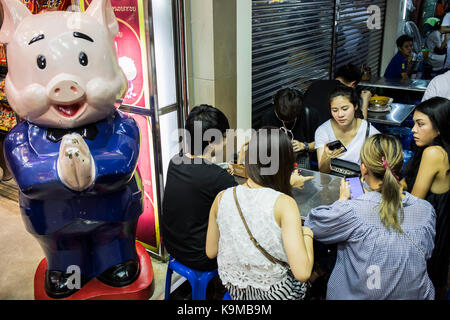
(306, 146)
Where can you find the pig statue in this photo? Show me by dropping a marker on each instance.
(74, 154)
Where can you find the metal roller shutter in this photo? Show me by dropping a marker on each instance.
(354, 41)
(291, 45)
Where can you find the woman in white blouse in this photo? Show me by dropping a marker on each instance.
(343, 126)
(273, 218)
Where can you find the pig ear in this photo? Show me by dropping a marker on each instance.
(104, 13)
(14, 11)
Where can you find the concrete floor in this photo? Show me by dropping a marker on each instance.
(20, 253)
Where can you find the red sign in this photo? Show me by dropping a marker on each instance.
(131, 52)
(130, 48)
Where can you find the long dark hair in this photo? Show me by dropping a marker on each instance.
(438, 110)
(275, 144)
(352, 96)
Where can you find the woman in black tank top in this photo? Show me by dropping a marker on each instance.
(429, 167)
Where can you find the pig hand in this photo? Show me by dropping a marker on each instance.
(76, 167)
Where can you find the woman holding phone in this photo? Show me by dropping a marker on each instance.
(428, 177)
(345, 126)
(384, 237)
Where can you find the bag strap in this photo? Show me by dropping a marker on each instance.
(255, 242)
(367, 130)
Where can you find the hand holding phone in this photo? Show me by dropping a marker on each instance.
(334, 149)
(336, 145)
(356, 188)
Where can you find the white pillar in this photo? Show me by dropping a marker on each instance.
(392, 30)
(244, 66)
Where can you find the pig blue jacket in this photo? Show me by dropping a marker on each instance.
(47, 205)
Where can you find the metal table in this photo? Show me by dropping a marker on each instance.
(398, 113)
(418, 85)
(322, 190)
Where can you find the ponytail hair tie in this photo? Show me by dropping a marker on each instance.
(388, 167)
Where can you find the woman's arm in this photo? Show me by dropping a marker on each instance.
(403, 184)
(300, 146)
(298, 181)
(298, 243)
(365, 96)
(324, 156)
(432, 157)
(324, 161)
(444, 43)
(444, 29)
(213, 234)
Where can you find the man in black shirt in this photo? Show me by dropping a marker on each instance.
(299, 123)
(193, 182)
(317, 95)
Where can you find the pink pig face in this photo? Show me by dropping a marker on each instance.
(62, 66)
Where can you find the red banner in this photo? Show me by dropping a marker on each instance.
(131, 52)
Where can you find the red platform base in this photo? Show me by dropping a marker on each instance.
(141, 289)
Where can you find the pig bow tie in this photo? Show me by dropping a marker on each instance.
(89, 132)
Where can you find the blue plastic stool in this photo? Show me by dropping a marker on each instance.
(198, 279)
(227, 296)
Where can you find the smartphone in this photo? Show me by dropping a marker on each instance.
(336, 145)
(356, 188)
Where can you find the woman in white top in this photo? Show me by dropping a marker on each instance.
(343, 126)
(273, 218)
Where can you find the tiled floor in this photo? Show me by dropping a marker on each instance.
(20, 253)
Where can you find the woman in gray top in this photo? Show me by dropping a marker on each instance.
(384, 236)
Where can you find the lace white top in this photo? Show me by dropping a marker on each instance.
(240, 263)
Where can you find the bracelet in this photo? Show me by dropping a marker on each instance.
(308, 235)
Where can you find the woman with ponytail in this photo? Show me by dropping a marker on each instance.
(384, 236)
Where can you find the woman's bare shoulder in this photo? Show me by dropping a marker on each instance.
(434, 154)
(284, 204)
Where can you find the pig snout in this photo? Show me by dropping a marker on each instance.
(64, 89)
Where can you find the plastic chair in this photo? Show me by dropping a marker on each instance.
(198, 279)
(227, 296)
